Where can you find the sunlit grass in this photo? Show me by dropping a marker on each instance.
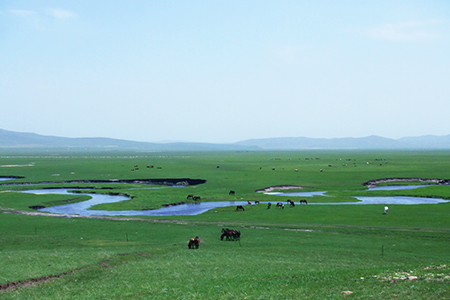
(304, 252)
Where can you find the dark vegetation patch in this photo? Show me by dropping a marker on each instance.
(160, 181)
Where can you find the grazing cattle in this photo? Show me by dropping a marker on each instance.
(193, 243)
(256, 202)
(230, 234)
(386, 208)
(249, 203)
(291, 203)
(231, 192)
(195, 198)
(280, 205)
(321, 170)
(240, 207)
(296, 170)
(190, 196)
(303, 201)
(269, 205)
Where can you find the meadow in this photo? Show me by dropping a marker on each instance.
(301, 252)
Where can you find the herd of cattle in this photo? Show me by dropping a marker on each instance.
(232, 234)
(228, 234)
(241, 207)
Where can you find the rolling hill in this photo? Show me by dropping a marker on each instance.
(20, 140)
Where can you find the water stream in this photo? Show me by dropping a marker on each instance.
(83, 208)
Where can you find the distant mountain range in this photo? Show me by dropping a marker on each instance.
(19, 140)
(370, 142)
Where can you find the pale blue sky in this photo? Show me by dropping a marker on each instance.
(225, 71)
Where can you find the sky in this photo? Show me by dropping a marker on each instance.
(225, 71)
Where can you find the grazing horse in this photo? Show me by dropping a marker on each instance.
(195, 198)
(193, 243)
(230, 234)
(249, 202)
(291, 203)
(303, 201)
(190, 196)
(240, 207)
(231, 192)
(256, 202)
(280, 205)
(269, 205)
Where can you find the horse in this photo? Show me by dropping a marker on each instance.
(303, 201)
(231, 192)
(280, 205)
(256, 202)
(249, 202)
(291, 203)
(195, 198)
(193, 243)
(230, 234)
(190, 196)
(240, 207)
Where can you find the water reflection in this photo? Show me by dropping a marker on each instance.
(397, 187)
(4, 178)
(297, 194)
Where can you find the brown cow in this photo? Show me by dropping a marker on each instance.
(193, 243)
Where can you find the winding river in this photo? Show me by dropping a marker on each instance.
(83, 208)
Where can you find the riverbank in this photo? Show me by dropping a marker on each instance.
(279, 187)
(373, 183)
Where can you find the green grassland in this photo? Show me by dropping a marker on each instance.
(304, 252)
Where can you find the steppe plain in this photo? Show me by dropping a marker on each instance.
(301, 252)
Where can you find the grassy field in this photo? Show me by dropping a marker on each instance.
(304, 252)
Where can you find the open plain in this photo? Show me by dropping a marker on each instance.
(299, 252)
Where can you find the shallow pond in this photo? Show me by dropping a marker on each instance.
(82, 208)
